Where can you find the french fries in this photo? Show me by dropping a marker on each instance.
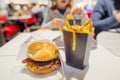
(74, 41)
(86, 28)
(60, 28)
(69, 17)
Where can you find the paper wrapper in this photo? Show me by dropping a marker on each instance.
(20, 72)
(77, 58)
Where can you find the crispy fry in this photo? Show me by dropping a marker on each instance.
(74, 42)
(69, 17)
(68, 25)
(60, 28)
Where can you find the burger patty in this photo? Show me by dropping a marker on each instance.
(55, 63)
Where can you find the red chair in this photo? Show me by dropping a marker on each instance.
(32, 20)
(11, 30)
(2, 36)
(94, 36)
(3, 18)
(89, 13)
(29, 21)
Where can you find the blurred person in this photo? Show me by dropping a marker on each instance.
(106, 20)
(25, 11)
(15, 10)
(29, 6)
(57, 13)
(106, 15)
(12, 11)
(37, 12)
(36, 8)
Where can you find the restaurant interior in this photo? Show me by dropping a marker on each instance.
(85, 48)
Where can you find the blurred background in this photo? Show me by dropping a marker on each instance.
(17, 16)
(14, 14)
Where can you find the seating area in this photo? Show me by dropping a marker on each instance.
(20, 18)
(59, 40)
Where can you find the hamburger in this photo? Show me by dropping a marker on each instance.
(42, 57)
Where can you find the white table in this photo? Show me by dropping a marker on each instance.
(110, 40)
(19, 17)
(102, 64)
(12, 47)
(6, 65)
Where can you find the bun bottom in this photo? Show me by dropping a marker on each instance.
(42, 71)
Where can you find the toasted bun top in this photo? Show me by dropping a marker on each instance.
(42, 51)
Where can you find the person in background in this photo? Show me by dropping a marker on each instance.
(29, 7)
(106, 20)
(12, 11)
(38, 12)
(36, 8)
(57, 13)
(106, 15)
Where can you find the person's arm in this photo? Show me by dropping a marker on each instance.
(52, 23)
(98, 19)
(47, 22)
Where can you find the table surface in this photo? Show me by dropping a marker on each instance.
(19, 17)
(102, 64)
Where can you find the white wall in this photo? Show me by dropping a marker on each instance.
(88, 3)
(27, 1)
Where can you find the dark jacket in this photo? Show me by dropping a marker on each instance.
(104, 15)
